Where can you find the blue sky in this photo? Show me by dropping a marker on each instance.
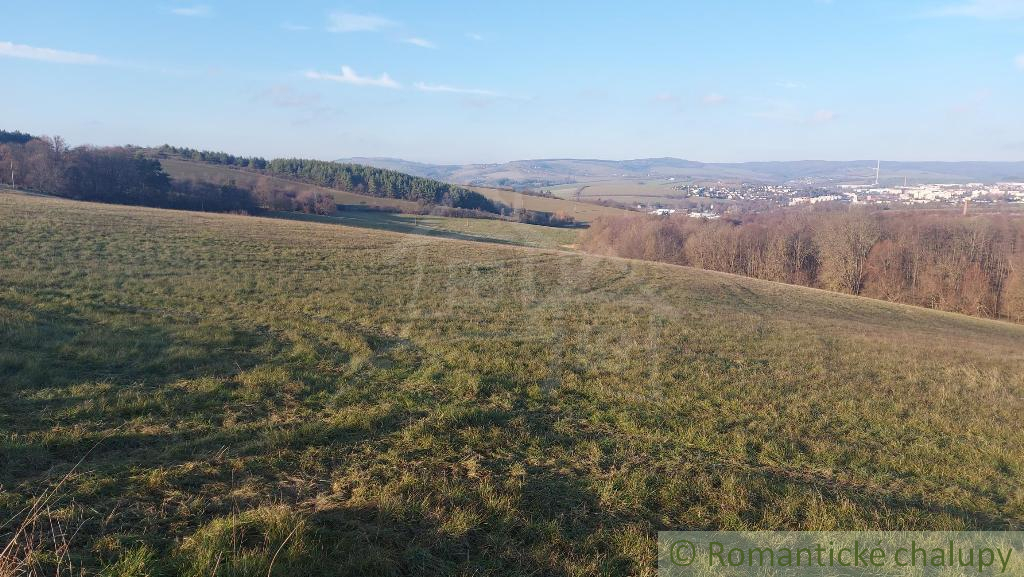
(447, 81)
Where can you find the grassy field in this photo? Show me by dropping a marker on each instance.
(475, 229)
(199, 394)
(581, 211)
(629, 192)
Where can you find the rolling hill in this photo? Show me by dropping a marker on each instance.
(220, 174)
(195, 393)
(581, 211)
(550, 172)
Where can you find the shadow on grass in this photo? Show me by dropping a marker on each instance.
(380, 220)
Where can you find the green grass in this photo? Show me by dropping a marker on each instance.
(476, 229)
(251, 396)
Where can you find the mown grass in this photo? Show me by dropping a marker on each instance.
(251, 396)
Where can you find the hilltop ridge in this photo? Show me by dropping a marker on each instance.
(554, 171)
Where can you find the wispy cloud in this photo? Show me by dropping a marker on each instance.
(304, 107)
(284, 96)
(424, 87)
(421, 42)
(349, 76)
(823, 116)
(197, 11)
(12, 50)
(474, 36)
(665, 97)
(714, 99)
(1019, 61)
(294, 27)
(348, 22)
(984, 9)
(789, 84)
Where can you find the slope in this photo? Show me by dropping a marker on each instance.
(366, 402)
(189, 170)
(581, 211)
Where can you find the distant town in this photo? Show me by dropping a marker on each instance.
(875, 194)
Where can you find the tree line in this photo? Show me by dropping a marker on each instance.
(434, 197)
(120, 175)
(213, 157)
(378, 182)
(131, 175)
(972, 265)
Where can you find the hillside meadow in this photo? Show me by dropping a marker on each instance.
(474, 229)
(630, 192)
(581, 211)
(201, 394)
(213, 173)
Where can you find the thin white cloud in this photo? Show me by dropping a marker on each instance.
(474, 36)
(12, 50)
(665, 97)
(200, 10)
(421, 42)
(714, 99)
(348, 22)
(789, 85)
(349, 76)
(304, 108)
(284, 96)
(822, 116)
(424, 87)
(294, 27)
(1019, 61)
(983, 9)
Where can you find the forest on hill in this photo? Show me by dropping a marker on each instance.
(134, 176)
(118, 175)
(432, 195)
(972, 265)
(348, 177)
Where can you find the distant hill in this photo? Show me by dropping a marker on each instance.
(222, 174)
(548, 172)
